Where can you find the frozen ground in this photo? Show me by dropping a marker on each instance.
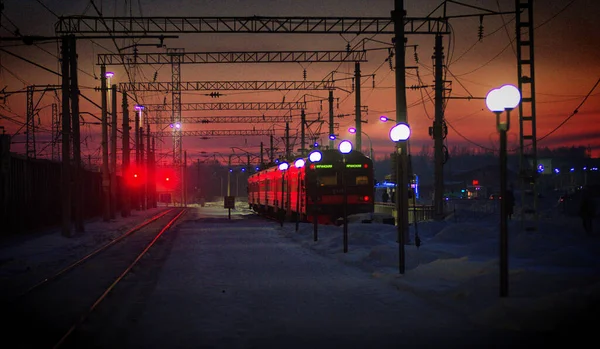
(554, 280)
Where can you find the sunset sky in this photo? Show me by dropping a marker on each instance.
(567, 61)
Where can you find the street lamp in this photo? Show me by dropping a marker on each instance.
(315, 156)
(353, 130)
(401, 133)
(345, 147)
(299, 163)
(505, 98)
(283, 168)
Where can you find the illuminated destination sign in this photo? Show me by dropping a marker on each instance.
(323, 166)
(354, 165)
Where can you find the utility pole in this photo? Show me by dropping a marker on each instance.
(142, 168)
(271, 151)
(330, 118)
(261, 153)
(138, 165)
(125, 190)
(302, 133)
(439, 130)
(113, 152)
(30, 133)
(184, 179)
(77, 173)
(150, 178)
(105, 174)
(66, 136)
(398, 16)
(357, 120)
(287, 140)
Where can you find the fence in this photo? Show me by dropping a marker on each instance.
(30, 194)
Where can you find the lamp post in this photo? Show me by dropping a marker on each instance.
(283, 168)
(353, 130)
(345, 147)
(401, 133)
(299, 163)
(505, 98)
(313, 157)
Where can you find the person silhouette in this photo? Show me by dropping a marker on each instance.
(385, 196)
(510, 203)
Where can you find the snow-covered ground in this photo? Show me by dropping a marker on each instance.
(554, 279)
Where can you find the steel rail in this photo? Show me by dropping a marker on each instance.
(85, 315)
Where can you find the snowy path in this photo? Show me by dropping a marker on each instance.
(239, 284)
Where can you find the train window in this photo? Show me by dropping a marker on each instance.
(328, 180)
(362, 180)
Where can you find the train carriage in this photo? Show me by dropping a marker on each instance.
(315, 188)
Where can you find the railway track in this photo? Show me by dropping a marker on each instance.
(54, 311)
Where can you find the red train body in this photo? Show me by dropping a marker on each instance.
(315, 189)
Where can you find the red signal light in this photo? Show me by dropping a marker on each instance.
(366, 198)
(366, 165)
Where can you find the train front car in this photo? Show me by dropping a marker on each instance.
(335, 174)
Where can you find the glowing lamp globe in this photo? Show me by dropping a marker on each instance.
(109, 74)
(494, 101)
(352, 130)
(332, 137)
(315, 156)
(511, 96)
(383, 118)
(299, 163)
(283, 166)
(400, 132)
(345, 147)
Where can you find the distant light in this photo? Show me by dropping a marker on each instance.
(383, 118)
(230, 170)
(352, 130)
(257, 168)
(109, 74)
(178, 125)
(400, 132)
(276, 161)
(171, 125)
(540, 168)
(284, 166)
(167, 179)
(243, 169)
(316, 145)
(139, 107)
(556, 170)
(315, 156)
(572, 169)
(299, 163)
(594, 168)
(345, 146)
(332, 137)
(585, 168)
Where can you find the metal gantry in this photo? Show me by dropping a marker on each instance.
(230, 106)
(256, 24)
(227, 85)
(234, 57)
(239, 119)
(215, 133)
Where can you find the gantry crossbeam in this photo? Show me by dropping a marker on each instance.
(230, 106)
(227, 85)
(213, 133)
(222, 119)
(255, 24)
(235, 57)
